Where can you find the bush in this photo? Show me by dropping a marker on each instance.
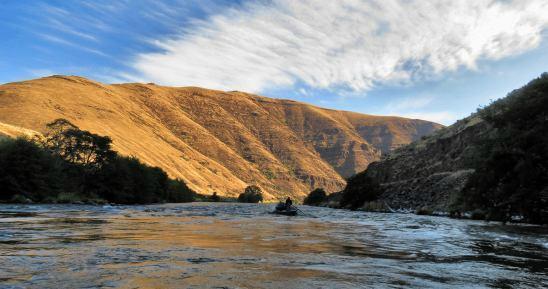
(127, 180)
(316, 197)
(20, 199)
(359, 189)
(375, 206)
(67, 198)
(252, 194)
(71, 165)
(214, 197)
(28, 170)
(477, 215)
(179, 192)
(424, 210)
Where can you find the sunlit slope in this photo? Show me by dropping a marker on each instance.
(12, 131)
(215, 140)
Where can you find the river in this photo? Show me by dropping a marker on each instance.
(226, 245)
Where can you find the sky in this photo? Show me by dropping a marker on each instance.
(437, 60)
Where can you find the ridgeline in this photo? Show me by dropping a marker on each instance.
(216, 141)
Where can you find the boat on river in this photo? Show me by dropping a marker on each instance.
(282, 210)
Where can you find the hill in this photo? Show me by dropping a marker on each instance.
(493, 162)
(214, 140)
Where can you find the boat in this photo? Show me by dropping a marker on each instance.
(290, 212)
(282, 210)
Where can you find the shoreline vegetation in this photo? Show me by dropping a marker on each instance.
(70, 165)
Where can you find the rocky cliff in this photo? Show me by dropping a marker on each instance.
(432, 171)
(214, 140)
(494, 162)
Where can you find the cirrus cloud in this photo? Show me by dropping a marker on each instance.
(348, 44)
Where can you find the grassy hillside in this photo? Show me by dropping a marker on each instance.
(215, 140)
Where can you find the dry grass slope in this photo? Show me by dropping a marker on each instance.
(214, 140)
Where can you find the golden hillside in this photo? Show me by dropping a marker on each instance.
(214, 140)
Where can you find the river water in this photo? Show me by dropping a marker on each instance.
(223, 245)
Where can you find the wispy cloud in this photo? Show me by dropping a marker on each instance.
(53, 10)
(60, 40)
(105, 7)
(443, 117)
(58, 25)
(410, 103)
(351, 44)
(419, 107)
(40, 72)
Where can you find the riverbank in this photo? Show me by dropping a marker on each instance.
(333, 202)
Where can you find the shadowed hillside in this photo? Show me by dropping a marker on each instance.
(214, 140)
(493, 163)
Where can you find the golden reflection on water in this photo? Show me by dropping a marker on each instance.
(171, 252)
(240, 246)
(237, 252)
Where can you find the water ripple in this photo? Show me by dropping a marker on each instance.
(209, 245)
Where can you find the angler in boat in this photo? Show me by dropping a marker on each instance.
(286, 209)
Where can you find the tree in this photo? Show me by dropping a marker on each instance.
(316, 197)
(77, 146)
(359, 189)
(179, 192)
(82, 164)
(26, 169)
(214, 197)
(251, 194)
(511, 170)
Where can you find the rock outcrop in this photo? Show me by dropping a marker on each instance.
(492, 164)
(430, 172)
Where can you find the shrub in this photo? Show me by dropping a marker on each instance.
(424, 210)
(359, 189)
(127, 180)
(20, 199)
(28, 170)
(179, 192)
(315, 197)
(477, 215)
(65, 198)
(214, 197)
(72, 165)
(252, 194)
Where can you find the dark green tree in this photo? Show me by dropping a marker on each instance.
(78, 146)
(179, 192)
(214, 197)
(26, 169)
(251, 194)
(359, 189)
(511, 171)
(81, 163)
(315, 197)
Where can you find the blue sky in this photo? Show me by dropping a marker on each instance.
(435, 60)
